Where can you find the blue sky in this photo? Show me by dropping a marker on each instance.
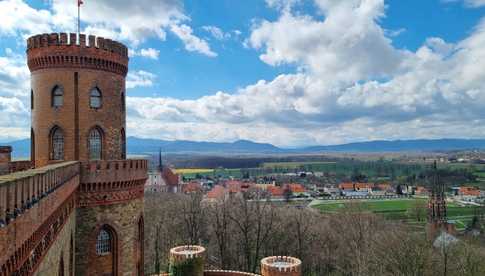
(288, 72)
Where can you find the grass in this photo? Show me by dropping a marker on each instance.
(398, 209)
(294, 165)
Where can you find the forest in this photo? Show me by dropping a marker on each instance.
(238, 233)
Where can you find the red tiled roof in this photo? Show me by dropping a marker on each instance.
(191, 187)
(217, 192)
(275, 190)
(470, 191)
(170, 177)
(346, 186)
(295, 188)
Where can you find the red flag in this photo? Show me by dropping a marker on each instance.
(79, 3)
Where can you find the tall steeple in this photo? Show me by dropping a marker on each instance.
(437, 200)
(160, 164)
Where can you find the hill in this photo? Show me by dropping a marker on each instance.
(146, 146)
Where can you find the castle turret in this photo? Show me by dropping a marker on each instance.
(280, 266)
(78, 114)
(78, 98)
(187, 260)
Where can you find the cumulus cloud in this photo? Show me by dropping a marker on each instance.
(352, 85)
(139, 78)
(192, 42)
(148, 53)
(125, 20)
(216, 32)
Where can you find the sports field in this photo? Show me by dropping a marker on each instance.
(408, 210)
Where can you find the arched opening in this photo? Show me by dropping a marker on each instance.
(123, 102)
(32, 145)
(61, 266)
(141, 252)
(95, 98)
(57, 96)
(57, 143)
(104, 258)
(71, 257)
(95, 143)
(123, 143)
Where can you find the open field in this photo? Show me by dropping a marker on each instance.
(296, 165)
(193, 171)
(410, 210)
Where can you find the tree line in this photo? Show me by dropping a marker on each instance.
(238, 232)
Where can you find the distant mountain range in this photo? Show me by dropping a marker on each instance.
(146, 146)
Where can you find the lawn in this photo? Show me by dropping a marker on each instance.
(296, 165)
(397, 209)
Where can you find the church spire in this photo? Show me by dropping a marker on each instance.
(160, 165)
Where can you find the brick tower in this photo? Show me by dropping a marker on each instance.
(78, 114)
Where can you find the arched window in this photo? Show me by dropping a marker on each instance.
(123, 144)
(95, 144)
(61, 265)
(122, 102)
(95, 98)
(103, 242)
(57, 144)
(57, 96)
(32, 145)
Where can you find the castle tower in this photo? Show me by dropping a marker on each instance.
(78, 98)
(187, 260)
(78, 114)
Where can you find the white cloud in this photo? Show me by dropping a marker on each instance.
(148, 53)
(18, 18)
(469, 3)
(353, 85)
(217, 33)
(192, 42)
(124, 20)
(139, 79)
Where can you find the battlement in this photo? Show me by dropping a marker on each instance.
(111, 181)
(280, 265)
(72, 51)
(63, 39)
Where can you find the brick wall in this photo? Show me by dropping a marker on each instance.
(123, 219)
(63, 247)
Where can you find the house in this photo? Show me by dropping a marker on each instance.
(191, 187)
(275, 191)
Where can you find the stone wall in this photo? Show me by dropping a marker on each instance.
(63, 247)
(123, 219)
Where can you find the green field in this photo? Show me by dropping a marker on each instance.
(408, 210)
(296, 165)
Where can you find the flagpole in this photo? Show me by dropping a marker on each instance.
(78, 18)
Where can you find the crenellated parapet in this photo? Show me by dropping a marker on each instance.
(107, 182)
(72, 51)
(280, 266)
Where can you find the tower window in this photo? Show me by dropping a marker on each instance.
(31, 99)
(95, 98)
(57, 96)
(122, 102)
(103, 242)
(95, 144)
(123, 144)
(57, 144)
